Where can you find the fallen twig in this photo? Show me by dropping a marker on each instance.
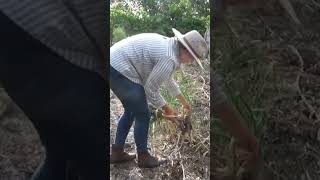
(235, 33)
(297, 84)
(315, 3)
(275, 172)
(182, 167)
(286, 4)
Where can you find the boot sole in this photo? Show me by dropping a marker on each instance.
(121, 161)
(149, 167)
(158, 165)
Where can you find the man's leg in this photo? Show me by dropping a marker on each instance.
(134, 100)
(123, 128)
(87, 125)
(119, 87)
(51, 168)
(70, 118)
(18, 75)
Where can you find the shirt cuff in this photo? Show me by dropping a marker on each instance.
(173, 88)
(158, 103)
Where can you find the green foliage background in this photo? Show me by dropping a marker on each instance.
(158, 16)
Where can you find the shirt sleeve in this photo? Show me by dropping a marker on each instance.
(172, 87)
(218, 96)
(161, 73)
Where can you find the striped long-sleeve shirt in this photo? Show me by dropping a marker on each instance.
(148, 59)
(75, 29)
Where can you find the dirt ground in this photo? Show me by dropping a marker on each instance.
(20, 147)
(292, 139)
(187, 161)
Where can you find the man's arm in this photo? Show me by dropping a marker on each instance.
(160, 74)
(186, 106)
(174, 90)
(232, 120)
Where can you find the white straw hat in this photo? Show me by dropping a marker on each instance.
(194, 43)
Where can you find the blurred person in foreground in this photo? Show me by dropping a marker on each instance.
(53, 66)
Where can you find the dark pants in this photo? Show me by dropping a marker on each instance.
(66, 104)
(133, 99)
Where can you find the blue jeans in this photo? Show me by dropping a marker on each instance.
(133, 99)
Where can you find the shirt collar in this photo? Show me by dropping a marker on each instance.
(174, 51)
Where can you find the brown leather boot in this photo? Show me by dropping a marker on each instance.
(145, 160)
(118, 155)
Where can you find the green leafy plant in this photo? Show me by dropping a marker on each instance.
(246, 73)
(118, 34)
(149, 16)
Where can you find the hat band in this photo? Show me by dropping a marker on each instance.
(191, 47)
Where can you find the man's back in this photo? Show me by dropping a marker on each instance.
(75, 29)
(136, 56)
(142, 46)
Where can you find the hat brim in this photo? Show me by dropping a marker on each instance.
(183, 42)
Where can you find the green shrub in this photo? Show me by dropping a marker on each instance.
(118, 34)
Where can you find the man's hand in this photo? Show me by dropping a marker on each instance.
(169, 111)
(232, 120)
(250, 144)
(186, 106)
